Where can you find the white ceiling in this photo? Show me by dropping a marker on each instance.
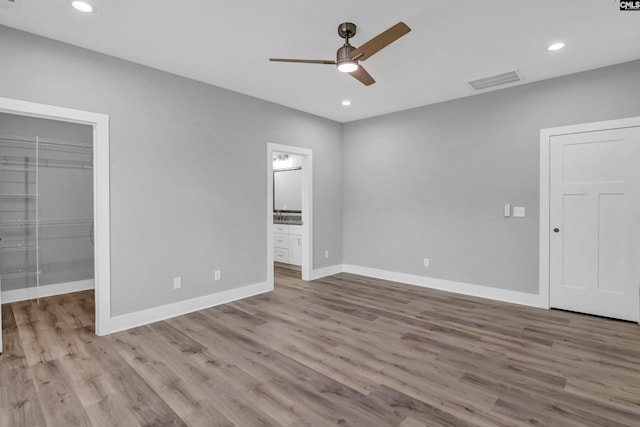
(227, 43)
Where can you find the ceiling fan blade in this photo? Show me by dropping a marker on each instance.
(362, 75)
(304, 61)
(380, 41)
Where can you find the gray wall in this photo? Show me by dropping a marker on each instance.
(432, 181)
(66, 192)
(188, 168)
(188, 172)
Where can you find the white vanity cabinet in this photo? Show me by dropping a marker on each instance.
(287, 244)
(295, 244)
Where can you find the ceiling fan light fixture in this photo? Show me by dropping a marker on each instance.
(344, 59)
(348, 66)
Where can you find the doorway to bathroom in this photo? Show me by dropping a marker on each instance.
(289, 210)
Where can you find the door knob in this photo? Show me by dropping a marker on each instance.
(556, 230)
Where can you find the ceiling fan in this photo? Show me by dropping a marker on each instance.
(348, 56)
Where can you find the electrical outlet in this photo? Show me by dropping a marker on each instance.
(326, 254)
(177, 282)
(217, 275)
(426, 262)
(507, 210)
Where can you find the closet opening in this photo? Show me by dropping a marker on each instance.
(54, 214)
(46, 211)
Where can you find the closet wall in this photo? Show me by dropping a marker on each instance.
(65, 202)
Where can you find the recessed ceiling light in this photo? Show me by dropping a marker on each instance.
(346, 102)
(82, 6)
(555, 46)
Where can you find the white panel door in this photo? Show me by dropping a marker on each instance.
(595, 222)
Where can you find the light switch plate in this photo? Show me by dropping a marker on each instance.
(177, 282)
(518, 211)
(507, 210)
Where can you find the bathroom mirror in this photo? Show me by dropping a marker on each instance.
(287, 190)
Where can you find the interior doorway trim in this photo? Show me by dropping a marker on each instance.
(101, 209)
(545, 189)
(307, 208)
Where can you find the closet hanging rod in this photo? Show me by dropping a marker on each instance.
(53, 163)
(43, 141)
(19, 248)
(56, 222)
(53, 149)
(23, 170)
(19, 196)
(67, 145)
(49, 147)
(47, 223)
(16, 274)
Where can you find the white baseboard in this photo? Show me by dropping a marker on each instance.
(515, 297)
(24, 294)
(326, 271)
(156, 314)
(128, 321)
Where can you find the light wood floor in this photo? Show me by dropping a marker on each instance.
(345, 350)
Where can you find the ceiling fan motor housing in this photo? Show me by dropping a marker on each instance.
(344, 54)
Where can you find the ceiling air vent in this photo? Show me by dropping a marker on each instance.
(497, 80)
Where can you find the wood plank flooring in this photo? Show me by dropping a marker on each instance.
(344, 350)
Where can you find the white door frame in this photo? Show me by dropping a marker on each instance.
(545, 189)
(307, 208)
(101, 210)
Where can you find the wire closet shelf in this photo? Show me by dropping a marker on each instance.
(52, 153)
(20, 165)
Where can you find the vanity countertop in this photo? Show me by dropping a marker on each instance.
(287, 219)
(288, 222)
